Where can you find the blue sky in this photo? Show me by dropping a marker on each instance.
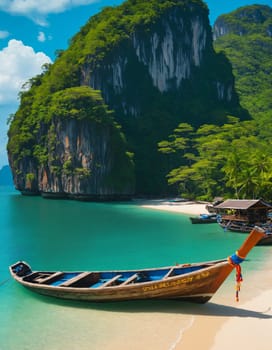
(32, 31)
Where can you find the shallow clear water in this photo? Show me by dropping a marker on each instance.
(74, 235)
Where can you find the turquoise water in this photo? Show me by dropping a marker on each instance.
(73, 235)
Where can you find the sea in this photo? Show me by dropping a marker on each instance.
(72, 235)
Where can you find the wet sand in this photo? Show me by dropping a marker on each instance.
(224, 323)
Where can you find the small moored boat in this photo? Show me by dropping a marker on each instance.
(241, 227)
(195, 282)
(204, 219)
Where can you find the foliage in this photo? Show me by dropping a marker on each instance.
(35, 117)
(83, 172)
(30, 177)
(62, 92)
(248, 45)
(114, 24)
(79, 103)
(233, 160)
(247, 20)
(230, 159)
(68, 167)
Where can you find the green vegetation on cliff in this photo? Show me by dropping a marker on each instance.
(247, 42)
(139, 69)
(79, 103)
(233, 160)
(33, 137)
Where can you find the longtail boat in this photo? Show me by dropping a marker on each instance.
(196, 282)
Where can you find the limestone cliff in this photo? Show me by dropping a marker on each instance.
(77, 154)
(174, 48)
(82, 162)
(254, 19)
(155, 67)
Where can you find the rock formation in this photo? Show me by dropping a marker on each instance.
(154, 65)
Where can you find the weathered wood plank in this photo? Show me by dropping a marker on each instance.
(109, 282)
(49, 278)
(130, 279)
(74, 279)
(168, 273)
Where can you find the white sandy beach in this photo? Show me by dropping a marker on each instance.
(227, 324)
(188, 207)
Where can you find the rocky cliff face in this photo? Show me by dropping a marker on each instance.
(164, 73)
(166, 53)
(82, 161)
(155, 67)
(245, 36)
(75, 157)
(247, 20)
(80, 165)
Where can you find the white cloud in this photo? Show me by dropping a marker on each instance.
(18, 63)
(41, 37)
(29, 7)
(4, 34)
(37, 10)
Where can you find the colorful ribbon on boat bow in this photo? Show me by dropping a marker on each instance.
(235, 260)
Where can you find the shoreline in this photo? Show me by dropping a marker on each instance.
(245, 324)
(184, 207)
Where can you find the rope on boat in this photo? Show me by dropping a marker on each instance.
(235, 260)
(3, 282)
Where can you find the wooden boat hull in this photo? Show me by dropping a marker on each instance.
(189, 282)
(266, 240)
(234, 227)
(202, 221)
(196, 287)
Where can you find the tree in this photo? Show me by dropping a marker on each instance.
(215, 160)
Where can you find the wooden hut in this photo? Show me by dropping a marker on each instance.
(243, 214)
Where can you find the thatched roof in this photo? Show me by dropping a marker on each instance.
(243, 204)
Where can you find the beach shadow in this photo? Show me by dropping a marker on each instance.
(159, 306)
(213, 309)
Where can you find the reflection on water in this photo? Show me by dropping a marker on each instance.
(72, 235)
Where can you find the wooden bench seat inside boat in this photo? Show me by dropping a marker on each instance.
(49, 279)
(110, 281)
(31, 277)
(81, 280)
(169, 273)
(130, 279)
